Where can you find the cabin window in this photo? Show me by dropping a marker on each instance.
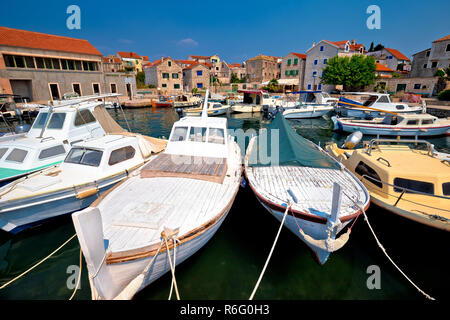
(179, 134)
(446, 189)
(399, 107)
(364, 170)
(427, 121)
(17, 155)
(414, 185)
(383, 99)
(2, 152)
(84, 117)
(52, 152)
(88, 157)
(197, 134)
(412, 122)
(57, 121)
(216, 135)
(121, 154)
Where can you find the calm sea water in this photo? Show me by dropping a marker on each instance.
(229, 265)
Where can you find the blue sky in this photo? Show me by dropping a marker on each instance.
(236, 30)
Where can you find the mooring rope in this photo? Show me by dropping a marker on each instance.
(172, 269)
(175, 240)
(37, 264)
(270, 253)
(79, 275)
(386, 254)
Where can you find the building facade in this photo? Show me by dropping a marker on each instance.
(293, 70)
(427, 62)
(166, 75)
(392, 58)
(196, 76)
(262, 68)
(318, 55)
(43, 67)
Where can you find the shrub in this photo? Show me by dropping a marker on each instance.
(444, 95)
(439, 73)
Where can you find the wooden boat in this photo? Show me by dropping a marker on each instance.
(412, 183)
(214, 109)
(54, 131)
(162, 102)
(253, 101)
(323, 197)
(376, 105)
(61, 189)
(396, 125)
(164, 213)
(311, 104)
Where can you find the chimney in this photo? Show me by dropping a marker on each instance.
(353, 42)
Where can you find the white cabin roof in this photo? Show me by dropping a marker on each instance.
(198, 121)
(106, 142)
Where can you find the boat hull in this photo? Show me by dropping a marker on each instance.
(246, 109)
(305, 113)
(35, 211)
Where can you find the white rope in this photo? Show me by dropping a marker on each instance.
(384, 251)
(175, 240)
(270, 254)
(172, 269)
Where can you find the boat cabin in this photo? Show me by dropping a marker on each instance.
(196, 136)
(409, 120)
(314, 97)
(381, 100)
(254, 96)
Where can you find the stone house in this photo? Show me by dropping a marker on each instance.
(43, 67)
(383, 72)
(318, 55)
(427, 62)
(293, 70)
(391, 58)
(112, 64)
(238, 69)
(166, 75)
(132, 62)
(262, 68)
(196, 76)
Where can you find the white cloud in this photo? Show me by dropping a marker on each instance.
(188, 42)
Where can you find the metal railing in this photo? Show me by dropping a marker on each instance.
(405, 141)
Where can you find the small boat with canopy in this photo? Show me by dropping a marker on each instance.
(291, 175)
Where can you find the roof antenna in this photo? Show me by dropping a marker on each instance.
(205, 107)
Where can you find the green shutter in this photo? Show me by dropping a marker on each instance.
(295, 61)
(286, 72)
(289, 62)
(296, 72)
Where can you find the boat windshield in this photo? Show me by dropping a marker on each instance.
(370, 101)
(56, 121)
(84, 156)
(325, 95)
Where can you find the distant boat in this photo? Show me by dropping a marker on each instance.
(323, 195)
(214, 109)
(61, 189)
(311, 104)
(396, 125)
(253, 101)
(164, 213)
(162, 102)
(411, 183)
(376, 105)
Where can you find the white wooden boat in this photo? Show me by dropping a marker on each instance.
(61, 189)
(311, 104)
(182, 197)
(253, 101)
(375, 105)
(52, 134)
(396, 125)
(323, 196)
(214, 109)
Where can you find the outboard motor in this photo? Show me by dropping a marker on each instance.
(352, 140)
(265, 110)
(180, 112)
(115, 105)
(22, 128)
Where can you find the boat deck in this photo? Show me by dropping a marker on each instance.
(312, 187)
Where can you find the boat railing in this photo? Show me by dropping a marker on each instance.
(405, 141)
(404, 190)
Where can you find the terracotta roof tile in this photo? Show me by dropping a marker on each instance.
(129, 55)
(443, 39)
(111, 60)
(397, 54)
(195, 65)
(200, 57)
(36, 40)
(300, 55)
(381, 67)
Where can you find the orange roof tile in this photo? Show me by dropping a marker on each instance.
(397, 54)
(195, 65)
(443, 39)
(235, 65)
(381, 67)
(186, 61)
(145, 58)
(300, 55)
(30, 39)
(132, 55)
(200, 57)
(111, 60)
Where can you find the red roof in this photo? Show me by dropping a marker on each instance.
(383, 68)
(397, 54)
(145, 58)
(186, 61)
(132, 55)
(200, 57)
(342, 43)
(300, 55)
(111, 60)
(235, 65)
(443, 39)
(29, 39)
(195, 65)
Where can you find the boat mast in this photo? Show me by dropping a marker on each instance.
(205, 107)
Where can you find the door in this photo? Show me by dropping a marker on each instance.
(54, 91)
(129, 90)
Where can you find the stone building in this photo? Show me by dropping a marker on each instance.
(112, 64)
(391, 58)
(382, 71)
(166, 75)
(196, 76)
(42, 67)
(132, 62)
(318, 55)
(427, 62)
(262, 68)
(293, 70)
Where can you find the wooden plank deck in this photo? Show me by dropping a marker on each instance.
(200, 168)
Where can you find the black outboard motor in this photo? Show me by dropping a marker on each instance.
(180, 112)
(115, 105)
(22, 128)
(265, 110)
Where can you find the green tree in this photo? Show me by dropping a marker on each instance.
(140, 79)
(272, 86)
(353, 73)
(235, 79)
